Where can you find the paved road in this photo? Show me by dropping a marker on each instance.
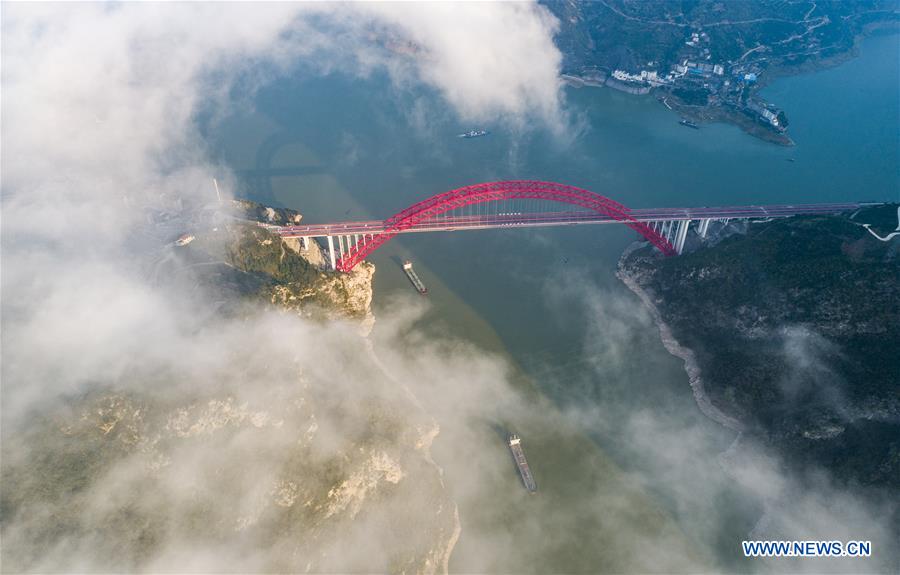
(457, 222)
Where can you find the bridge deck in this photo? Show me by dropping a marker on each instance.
(457, 222)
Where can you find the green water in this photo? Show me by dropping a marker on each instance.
(614, 420)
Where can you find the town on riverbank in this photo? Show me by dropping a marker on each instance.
(708, 62)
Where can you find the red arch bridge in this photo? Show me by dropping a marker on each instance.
(527, 203)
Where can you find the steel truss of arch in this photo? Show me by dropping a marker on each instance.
(495, 192)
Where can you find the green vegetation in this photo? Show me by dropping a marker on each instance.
(116, 474)
(255, 250)
(257, 266)
(881, 219)
(796, 327)
(708, 59)
(692, 97)
(259, 213)
(627, 34)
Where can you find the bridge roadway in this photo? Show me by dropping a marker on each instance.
(454, 222)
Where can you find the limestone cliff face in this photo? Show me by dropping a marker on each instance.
(333, 295)
(312, 252)
(293, 277)
(348, 294)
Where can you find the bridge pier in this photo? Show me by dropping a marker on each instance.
(681, 235)
(704, 227)
(667, 230)
(331, 253)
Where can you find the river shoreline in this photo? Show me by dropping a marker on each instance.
(725, 115)
(424, 444)
(675, 348)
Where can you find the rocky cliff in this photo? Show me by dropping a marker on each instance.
(293, 278)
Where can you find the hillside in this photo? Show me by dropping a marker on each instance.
(264, 456)
(795, 327)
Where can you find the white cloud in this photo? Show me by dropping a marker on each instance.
(97, 135)
(102, 166)
(488, 59)
(675, 454)
(86, 84)
(98, 104)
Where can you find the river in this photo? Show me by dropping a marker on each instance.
(625, 462)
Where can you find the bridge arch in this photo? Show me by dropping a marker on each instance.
(495, 192)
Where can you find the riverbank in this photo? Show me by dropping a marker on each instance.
(809, 67)
(674, 347)
(817, 369)
(725, 115)
(697, 114)
(726, 111)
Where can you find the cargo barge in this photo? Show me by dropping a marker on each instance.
(414, 277)
(515, 445)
